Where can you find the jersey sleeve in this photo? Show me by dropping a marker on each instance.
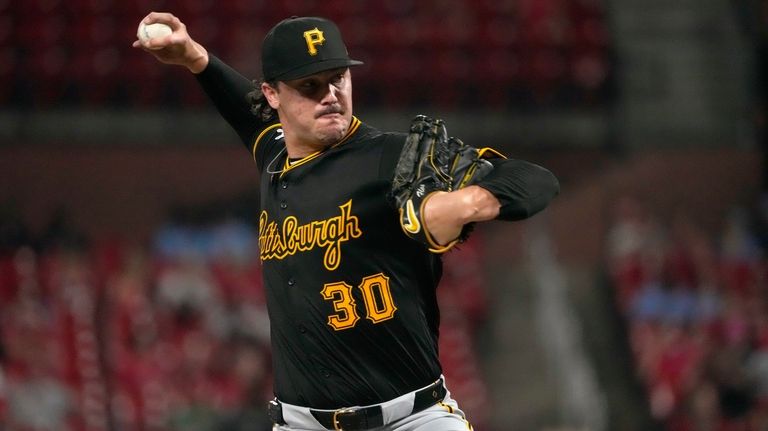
(267, 146)
(228, 89)
(522, 188)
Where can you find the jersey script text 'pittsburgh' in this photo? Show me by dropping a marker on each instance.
(276, 242)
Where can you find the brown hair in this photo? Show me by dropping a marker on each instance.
(259, 105)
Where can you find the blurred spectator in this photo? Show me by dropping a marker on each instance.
(251, 373)
(634, 249)
(38, 398)
(38, 401)
(187, 287)
(698, 321)
(464, 306)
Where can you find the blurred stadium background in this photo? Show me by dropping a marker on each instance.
(130, 294)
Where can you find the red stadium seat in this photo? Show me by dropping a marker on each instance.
(498, 33)
(139, 80)
(554, 44)
(96, 31)
(453, 72)
(44, 69)
(31, 9)
(497, 72)
(8, 32)
(40, 33)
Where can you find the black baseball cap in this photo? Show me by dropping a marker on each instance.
(301, 46)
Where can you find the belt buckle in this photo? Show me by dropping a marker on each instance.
(336, 413)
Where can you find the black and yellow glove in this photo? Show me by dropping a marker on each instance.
(430, 162)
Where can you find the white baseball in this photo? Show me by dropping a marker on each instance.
(151, 31)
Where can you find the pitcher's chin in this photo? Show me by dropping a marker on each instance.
(331, 130)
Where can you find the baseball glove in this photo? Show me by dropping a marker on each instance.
(429, 162)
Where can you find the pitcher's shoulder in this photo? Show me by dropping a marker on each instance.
(367, 134)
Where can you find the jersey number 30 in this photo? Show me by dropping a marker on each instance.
(376, 295)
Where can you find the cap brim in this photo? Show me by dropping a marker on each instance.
(311, 69)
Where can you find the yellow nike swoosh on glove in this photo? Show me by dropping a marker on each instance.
(411, 224)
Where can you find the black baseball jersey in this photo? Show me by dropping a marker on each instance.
(351, 299)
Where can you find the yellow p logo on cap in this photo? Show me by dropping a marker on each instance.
(313, 37)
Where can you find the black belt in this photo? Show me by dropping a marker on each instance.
(363, 418)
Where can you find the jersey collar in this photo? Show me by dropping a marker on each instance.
(353, 126)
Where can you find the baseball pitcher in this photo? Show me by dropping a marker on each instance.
(352, 225)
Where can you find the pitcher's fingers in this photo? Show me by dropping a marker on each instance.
(165, 18)
(176, 38)
(158, 42)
